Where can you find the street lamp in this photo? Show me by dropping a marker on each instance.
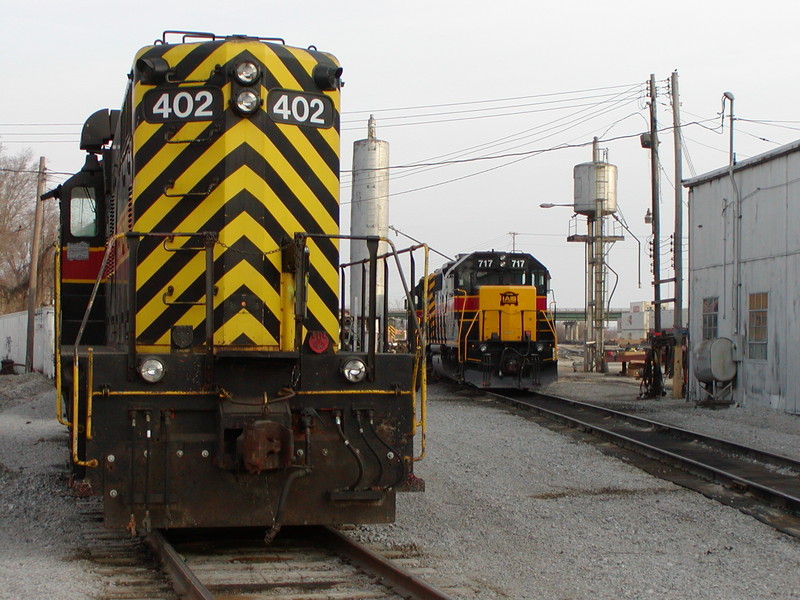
(551, 205)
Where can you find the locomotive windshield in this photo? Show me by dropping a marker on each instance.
(502, 269)
(503, 277)
(83, 212)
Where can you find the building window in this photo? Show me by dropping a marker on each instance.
(757, 330)
(710, 317)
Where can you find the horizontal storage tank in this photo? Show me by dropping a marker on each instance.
(595, 181)
(713, 361)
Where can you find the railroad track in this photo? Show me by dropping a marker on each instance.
(310, 563)
(122, 562)
(302, 563)
(764, 485)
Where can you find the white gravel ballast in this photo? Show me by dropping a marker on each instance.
(41, 528)
(514, 510)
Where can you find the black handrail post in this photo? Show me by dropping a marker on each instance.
(209, 240)
(372, 248)
(385, 321)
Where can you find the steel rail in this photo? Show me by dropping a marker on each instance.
(678, 432)
(185, 582)
(392, 576)
(785, 498)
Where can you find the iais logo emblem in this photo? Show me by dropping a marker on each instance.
(509, 299)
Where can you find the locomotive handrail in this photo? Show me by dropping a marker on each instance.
(421, 364)
(374, 238)
(110, 243)
(548, 317)
(466, 336)
(206, 35)
(210, 238)
(421, 424)
(461, 323)
(57, 308)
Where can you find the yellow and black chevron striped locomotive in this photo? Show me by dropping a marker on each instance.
(200, 363)
(488, 321)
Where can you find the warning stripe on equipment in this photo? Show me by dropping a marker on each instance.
(253, 182)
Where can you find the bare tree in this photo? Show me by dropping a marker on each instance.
(17, 205)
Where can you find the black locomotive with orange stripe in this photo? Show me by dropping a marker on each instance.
(488, 321)
(200, 368)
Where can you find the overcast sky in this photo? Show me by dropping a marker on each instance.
(459, 80)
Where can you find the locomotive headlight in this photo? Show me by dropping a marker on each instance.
(484, 348)
(246, 73)
(540, 347)
(247, 102)
(152, 370)
(354, 370)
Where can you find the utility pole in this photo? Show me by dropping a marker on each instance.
(655, 185)
(677, 365)
(654, 380)
(33, 284)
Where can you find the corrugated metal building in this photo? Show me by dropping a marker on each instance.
(744, 277)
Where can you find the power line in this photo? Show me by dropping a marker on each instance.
(495, 108)
(770, 123)
(517, 156)
(39, 142)
(475, 117)
(491, 100)
(33, 171)
(41, 124)
(564, 146)
(539, 129)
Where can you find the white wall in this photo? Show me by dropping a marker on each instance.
(13, 336)
(769, 261)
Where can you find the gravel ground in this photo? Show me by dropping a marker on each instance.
(40, 527)
(512, 510)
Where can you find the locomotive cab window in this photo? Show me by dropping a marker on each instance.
(504, 277)
(83, 212)
(540, 283)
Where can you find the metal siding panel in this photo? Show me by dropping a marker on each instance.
(770, 262)
(790, 348)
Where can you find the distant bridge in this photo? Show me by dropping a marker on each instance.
(579, 314)
(561, 314)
